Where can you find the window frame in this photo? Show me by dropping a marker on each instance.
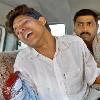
(2, 37)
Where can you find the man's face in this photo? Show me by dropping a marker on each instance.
(29, 30)
(86, 28)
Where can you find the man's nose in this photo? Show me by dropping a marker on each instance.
(21, 30)
(85, 27)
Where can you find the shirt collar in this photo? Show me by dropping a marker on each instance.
(32, 52)
(61, 43)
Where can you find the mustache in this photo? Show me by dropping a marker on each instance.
(85, 33)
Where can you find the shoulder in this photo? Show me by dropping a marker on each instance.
(71, 39)
(21, 59)
(23, 53)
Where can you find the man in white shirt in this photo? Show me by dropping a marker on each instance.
(96, 48)
(59, 68)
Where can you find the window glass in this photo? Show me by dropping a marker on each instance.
(57, 29)
(99, 26)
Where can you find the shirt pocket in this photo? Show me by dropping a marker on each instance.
(74, 81)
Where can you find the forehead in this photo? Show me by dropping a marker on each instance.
(87, 18)
(21, 18)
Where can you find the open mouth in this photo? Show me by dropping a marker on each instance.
(28, 34)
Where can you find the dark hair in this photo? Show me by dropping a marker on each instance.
(85, 12)
(22, 10)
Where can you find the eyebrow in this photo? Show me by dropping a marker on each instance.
(85, 21)
(23, 21)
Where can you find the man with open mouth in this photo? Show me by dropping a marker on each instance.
(57, 68)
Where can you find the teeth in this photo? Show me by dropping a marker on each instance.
(27, 34)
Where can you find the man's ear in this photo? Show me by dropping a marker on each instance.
(74, 27)
(42, 20)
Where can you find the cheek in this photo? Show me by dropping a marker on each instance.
(39, 30)
(93, 35)
(77, 31)
(20, 37)
(93, 31)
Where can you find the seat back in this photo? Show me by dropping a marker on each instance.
(7, 60)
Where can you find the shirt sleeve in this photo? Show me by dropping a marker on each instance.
(19, 65)
(90, 66)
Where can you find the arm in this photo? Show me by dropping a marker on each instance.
(91, 72)
(16, 89)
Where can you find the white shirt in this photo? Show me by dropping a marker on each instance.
(68, 75)
(96, 48)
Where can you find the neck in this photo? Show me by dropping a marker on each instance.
(48, 46)
(89, 46)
